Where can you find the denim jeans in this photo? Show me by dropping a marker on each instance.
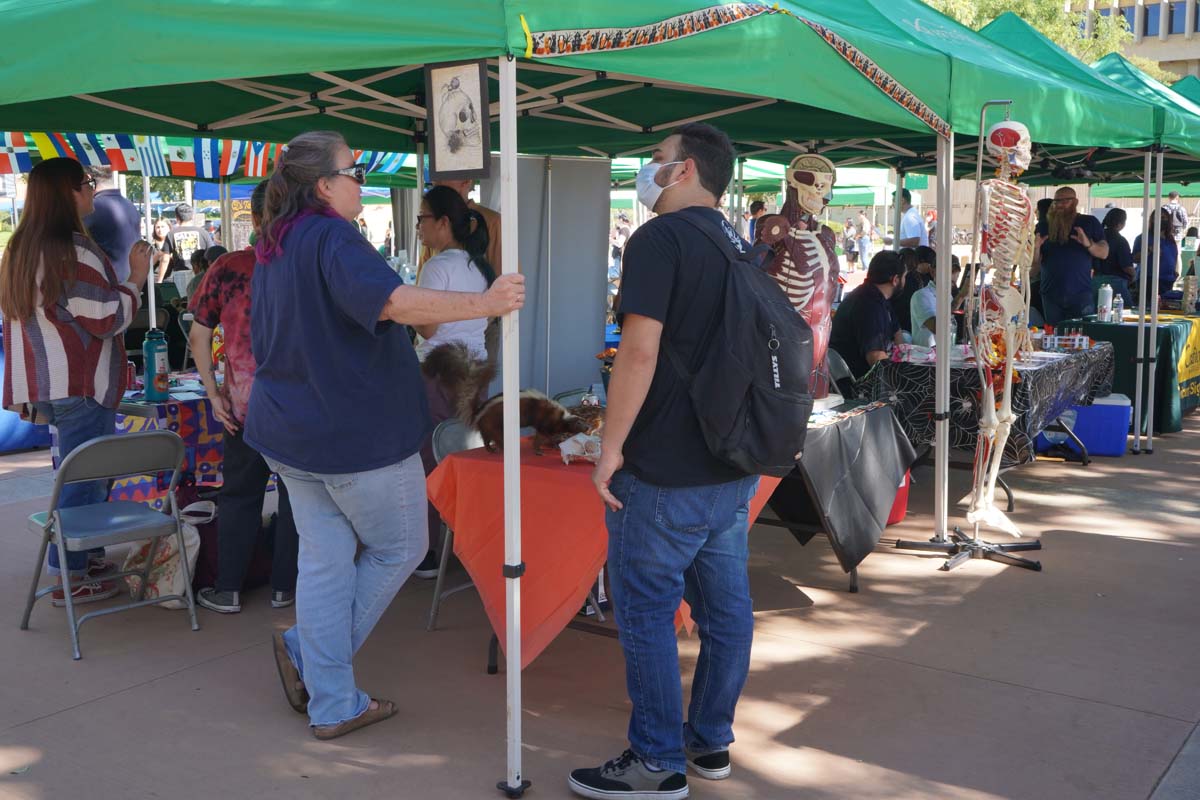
(78, 420)
(864, 251)
(339, 597)
(245, 475)
(1057, 309)
(663, 546)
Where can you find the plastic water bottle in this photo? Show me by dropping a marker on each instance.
(1105, 303)
(1118, 309)
(154, 356)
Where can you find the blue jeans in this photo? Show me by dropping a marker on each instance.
(339, 597)
(663, 546)
(864, 251)
(78, 420)
(1057, 309)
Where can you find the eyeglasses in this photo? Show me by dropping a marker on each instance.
(88, 181)
(357, 172)
(423, 216)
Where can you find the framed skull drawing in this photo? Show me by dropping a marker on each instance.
(458, 125)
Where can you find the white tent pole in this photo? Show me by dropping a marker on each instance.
(897, 214)
(549, 258)
(941, 395)
(740, 223)
(1152, 356)
(1141, 320)
(150, 315)
(510, 339)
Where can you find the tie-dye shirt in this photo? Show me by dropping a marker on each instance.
(223, 298)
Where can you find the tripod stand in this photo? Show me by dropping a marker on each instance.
(960, 548)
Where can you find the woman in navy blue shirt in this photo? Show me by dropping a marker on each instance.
(1168, 265)
(338, 409)
(1117, 268)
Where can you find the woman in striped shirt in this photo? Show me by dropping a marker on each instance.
(64, 313)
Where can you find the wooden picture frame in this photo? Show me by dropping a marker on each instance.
(458, 121)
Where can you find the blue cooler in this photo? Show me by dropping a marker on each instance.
(1102, 427)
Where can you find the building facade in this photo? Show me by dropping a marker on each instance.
(1164, 31)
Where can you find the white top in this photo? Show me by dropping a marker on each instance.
(912, 226)
(452, 271)
(923, 307)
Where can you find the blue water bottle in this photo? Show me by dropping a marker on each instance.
(154, 356)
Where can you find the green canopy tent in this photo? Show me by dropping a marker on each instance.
(1189, 87)
(1122, 190)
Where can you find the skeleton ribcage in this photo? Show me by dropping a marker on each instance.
(800, 280)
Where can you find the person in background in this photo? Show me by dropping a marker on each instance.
(864, 244)
(65, 310)
(931, 226)
(1168, 271)
(115, 224)
(849, 245)
(864, 327)
(923, 305)
(757, 210)
(164, 250)
(1067, 243)
(912, 228)
(1176, 213)
(617, 239)
(1116, 269)
(223, 298)
(459, 235)
(186, 236)
(677, 516)
(199, 265)
(338, 410)
(363, 229)
(916, 276)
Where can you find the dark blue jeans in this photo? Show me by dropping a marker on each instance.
(663, 546)
(1056, 309)
(78, 420)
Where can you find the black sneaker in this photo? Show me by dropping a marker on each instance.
(713, 766)
(221, 602)
(282, 599)
(628, 777)
(428, 568)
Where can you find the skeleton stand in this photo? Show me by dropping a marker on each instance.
(959, 547)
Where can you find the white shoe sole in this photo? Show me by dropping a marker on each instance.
(601, 794)
(219, 609)
(711, 774)
(96, 598)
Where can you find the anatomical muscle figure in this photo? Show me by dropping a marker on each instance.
(805, 262)
(998, 316)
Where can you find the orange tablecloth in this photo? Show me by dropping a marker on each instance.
(564, 540)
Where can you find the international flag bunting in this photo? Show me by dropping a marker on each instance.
(15, 156)
(231, 156)
(88, 148)
(207, 153)
(121, 152)
(258, 158)
(372, 158)
(53, 145)
(391, 163)
(181, 154)
(150, 154)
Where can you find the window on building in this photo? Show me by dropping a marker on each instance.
(1178, 18)
(1128, 13)
(1153, 18)
(1104, 12)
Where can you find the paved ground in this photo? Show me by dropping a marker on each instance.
(988, 682)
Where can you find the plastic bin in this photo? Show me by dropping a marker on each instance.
(900, 506)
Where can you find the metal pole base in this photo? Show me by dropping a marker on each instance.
(961, 548)
(513, 791)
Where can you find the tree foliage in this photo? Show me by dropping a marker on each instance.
(1110, 34)
(169, 190)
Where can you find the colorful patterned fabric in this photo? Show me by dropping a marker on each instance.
(547, 44)
(203, 437)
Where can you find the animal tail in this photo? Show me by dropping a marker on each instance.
(463, 378)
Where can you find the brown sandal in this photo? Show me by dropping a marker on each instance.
(384, 710)
(289, 676)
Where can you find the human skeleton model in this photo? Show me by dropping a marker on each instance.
(805, 262)
(999, 317)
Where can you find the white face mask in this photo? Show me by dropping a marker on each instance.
(648, 191)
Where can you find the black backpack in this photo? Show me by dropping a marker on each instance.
(751, 391)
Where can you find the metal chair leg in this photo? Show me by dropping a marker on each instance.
(33, 585)
(187, 578)
(65, 576)
(443, 562)
(150, 554)
(591, 599)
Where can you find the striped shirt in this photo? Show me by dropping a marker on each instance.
(75, 347)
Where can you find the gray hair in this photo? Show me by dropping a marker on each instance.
(293, 185)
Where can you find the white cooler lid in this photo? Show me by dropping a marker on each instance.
(1114, 399)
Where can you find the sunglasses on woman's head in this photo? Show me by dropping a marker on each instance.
(358, 172)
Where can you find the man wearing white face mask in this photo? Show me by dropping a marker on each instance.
(677, 515)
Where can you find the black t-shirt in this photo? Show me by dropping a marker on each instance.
(1119, 257)
(863, 322)
(185, 240)
(674, 274)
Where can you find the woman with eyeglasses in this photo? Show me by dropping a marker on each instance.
(459, 236)
(338, 409)
(64, 312)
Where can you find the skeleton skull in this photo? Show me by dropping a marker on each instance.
(1008, 142)
(812, 177)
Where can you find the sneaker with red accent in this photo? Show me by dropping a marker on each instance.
(85, 593)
